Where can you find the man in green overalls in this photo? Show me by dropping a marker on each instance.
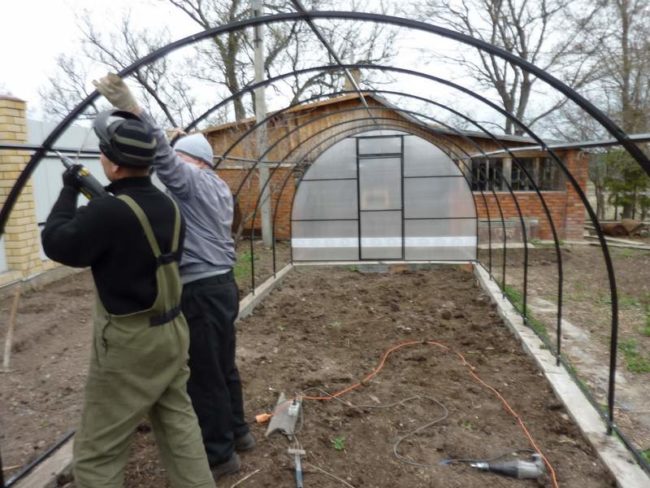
(132, 240)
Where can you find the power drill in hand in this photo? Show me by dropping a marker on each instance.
(87, 183)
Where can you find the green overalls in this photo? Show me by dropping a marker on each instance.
(138, 366)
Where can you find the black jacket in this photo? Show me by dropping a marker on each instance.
(107, 236)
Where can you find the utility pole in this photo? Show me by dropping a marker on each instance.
(260, 133)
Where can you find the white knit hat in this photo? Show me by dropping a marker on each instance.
(197, 146)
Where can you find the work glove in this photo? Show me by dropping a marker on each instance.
(117, 92)
(71, 177)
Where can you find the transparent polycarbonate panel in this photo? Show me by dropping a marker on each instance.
(323, 241)
(380, 145)
(437, 197)
(445, 240)
(381, 235)
(380, 184)
(421, 158)
(326, 200)
(339, 161)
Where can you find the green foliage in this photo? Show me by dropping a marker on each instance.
(517, 300)
(626, 182)
(646, 455)
(636, 362)
(646, 328)
(338, 443)
(243, 266)
(624, 301)
(468, 425)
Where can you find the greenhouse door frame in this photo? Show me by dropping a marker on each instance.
(361, 169)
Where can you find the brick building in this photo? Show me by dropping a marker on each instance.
(306, 132)
(489, 175)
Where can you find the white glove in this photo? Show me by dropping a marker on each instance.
(117, 92)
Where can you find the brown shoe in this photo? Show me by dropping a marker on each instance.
(228, 467)
(245, 442)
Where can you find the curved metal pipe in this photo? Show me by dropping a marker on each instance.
(609, 125)
(313, 120)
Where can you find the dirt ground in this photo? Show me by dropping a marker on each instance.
(587, 321)
(321, 331)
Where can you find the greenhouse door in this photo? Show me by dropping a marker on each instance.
(381, 202)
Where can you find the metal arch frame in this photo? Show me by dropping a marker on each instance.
(567, 173)
(257, 204)
(613, 292)
(614, 298)
(281, 139)
(577, 189)
(612, 128)
(491, 136)
(300, 8)
(571, 94)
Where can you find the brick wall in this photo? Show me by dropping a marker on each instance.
(249, 195)
(566, 208)
(21, 232)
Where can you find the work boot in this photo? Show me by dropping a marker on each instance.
(227, 467)
(245, 442)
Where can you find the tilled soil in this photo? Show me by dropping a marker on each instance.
(323, 330)
(587, 308)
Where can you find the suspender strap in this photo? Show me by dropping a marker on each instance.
(162, 259)
(166, 258)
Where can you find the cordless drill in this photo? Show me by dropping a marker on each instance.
(88, 184)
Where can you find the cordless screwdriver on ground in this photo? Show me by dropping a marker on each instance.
(88, 184)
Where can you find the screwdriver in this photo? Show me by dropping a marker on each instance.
(88, 184)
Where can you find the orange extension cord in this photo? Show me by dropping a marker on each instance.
(470, 368)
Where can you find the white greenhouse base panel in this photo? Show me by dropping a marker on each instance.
(379, 242)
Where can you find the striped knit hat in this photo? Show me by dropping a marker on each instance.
(125, 139)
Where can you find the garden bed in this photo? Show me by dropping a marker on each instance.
(321, 331)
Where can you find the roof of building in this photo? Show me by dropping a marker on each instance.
(305, 107)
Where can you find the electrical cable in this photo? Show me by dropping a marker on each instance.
(400, 439)
(470, 369)
(489, 460)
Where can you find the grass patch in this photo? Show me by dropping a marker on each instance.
(636, 362)
(624, 301)
(244, 266)
(646, 455)
(645, 330)
(625, 252)
(517, 300)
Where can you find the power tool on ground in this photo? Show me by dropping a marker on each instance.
(516, 468)
(88, 184)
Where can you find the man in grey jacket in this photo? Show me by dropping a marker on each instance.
(210, 299)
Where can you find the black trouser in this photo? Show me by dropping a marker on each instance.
(211, 306)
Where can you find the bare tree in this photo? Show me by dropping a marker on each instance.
(165, 92)
(537, 31)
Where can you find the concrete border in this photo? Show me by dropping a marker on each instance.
(610, 449)
(250, 301)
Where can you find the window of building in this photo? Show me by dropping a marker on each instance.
(491, 174)
(487, 174)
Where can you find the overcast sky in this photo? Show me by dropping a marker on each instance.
(34, 32)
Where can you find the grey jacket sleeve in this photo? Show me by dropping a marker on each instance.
(179, 177)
